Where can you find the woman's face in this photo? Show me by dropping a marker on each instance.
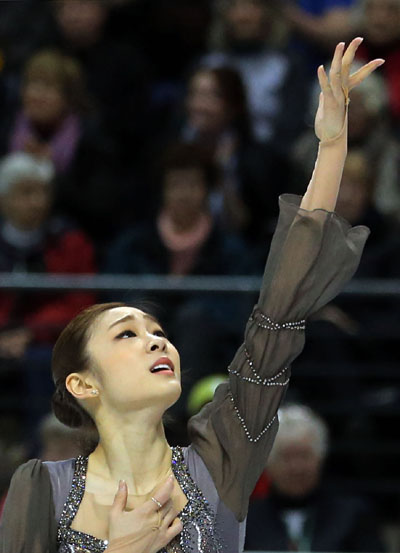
(135, 364)
(206, 109)
(295, 468)
(185, 192)
(246, 20)
(44, 102)
(27, 203)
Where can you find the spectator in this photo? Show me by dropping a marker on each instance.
(34, 240)
(173, 35)
(355, 204)
(183, 238)
(114, 69)
(301, 513)
(55, 122)
(317, 26)
(368, 320)
(274, 79)
(216, 117)
(380, 25)
(53, 97)
(369, 132)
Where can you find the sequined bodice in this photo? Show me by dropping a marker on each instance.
(198, 519)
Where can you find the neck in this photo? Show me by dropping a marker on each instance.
(137, 452)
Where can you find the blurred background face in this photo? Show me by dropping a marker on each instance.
(382, 21)
(44, 102)
(360, 119)
(246, 20)
(185, 194)
(206, 108)
(295, 467)
(27, 204)
(81, 21)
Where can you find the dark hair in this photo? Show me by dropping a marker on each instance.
(181, 155)
(234, 94)
(70, 355)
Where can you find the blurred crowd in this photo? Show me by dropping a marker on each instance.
(155, 137)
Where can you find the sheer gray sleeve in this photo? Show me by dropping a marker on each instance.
(313, 254)
(28, 524)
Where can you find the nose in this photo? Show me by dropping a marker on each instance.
(156, 343)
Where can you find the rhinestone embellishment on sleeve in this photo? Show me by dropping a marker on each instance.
(199, 530)
(272, 381)
(267, 323)
(252, 439)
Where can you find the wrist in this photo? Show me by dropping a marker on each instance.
(339, 139)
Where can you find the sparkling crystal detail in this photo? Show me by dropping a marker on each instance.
(199, 533)
(252, 439)
(267, 323)
(256, 379)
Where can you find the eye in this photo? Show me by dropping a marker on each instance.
(126, 334)
(160, 332)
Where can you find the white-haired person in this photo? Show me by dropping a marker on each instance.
(34, 240)
(115, 369)
(300, 513)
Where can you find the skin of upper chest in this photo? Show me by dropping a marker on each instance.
(93, 513)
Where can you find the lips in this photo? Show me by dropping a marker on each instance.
(162, 365)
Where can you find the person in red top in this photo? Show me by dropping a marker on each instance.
(33, 240)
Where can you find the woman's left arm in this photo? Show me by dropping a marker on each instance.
(313, 254)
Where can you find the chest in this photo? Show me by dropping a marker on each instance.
(93, 514)
(86, 529)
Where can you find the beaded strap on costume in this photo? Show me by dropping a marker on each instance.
(265, 322)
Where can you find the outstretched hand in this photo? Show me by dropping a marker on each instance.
(333, 100)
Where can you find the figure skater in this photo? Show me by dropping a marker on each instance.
(114, 369)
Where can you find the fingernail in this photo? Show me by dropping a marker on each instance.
(121, 485)
(171, 477)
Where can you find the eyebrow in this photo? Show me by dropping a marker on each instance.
(132, 318)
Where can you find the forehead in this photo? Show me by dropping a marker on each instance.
(113, 315)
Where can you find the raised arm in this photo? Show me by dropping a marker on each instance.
(313, 255)
(331, 125)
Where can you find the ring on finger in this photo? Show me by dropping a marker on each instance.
(159, 505)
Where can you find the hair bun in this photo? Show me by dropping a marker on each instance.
(67, 410)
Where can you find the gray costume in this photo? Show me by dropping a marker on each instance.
(312, 256)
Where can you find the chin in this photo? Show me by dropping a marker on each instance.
(173, 396)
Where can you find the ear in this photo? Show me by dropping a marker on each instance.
(79, 386)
